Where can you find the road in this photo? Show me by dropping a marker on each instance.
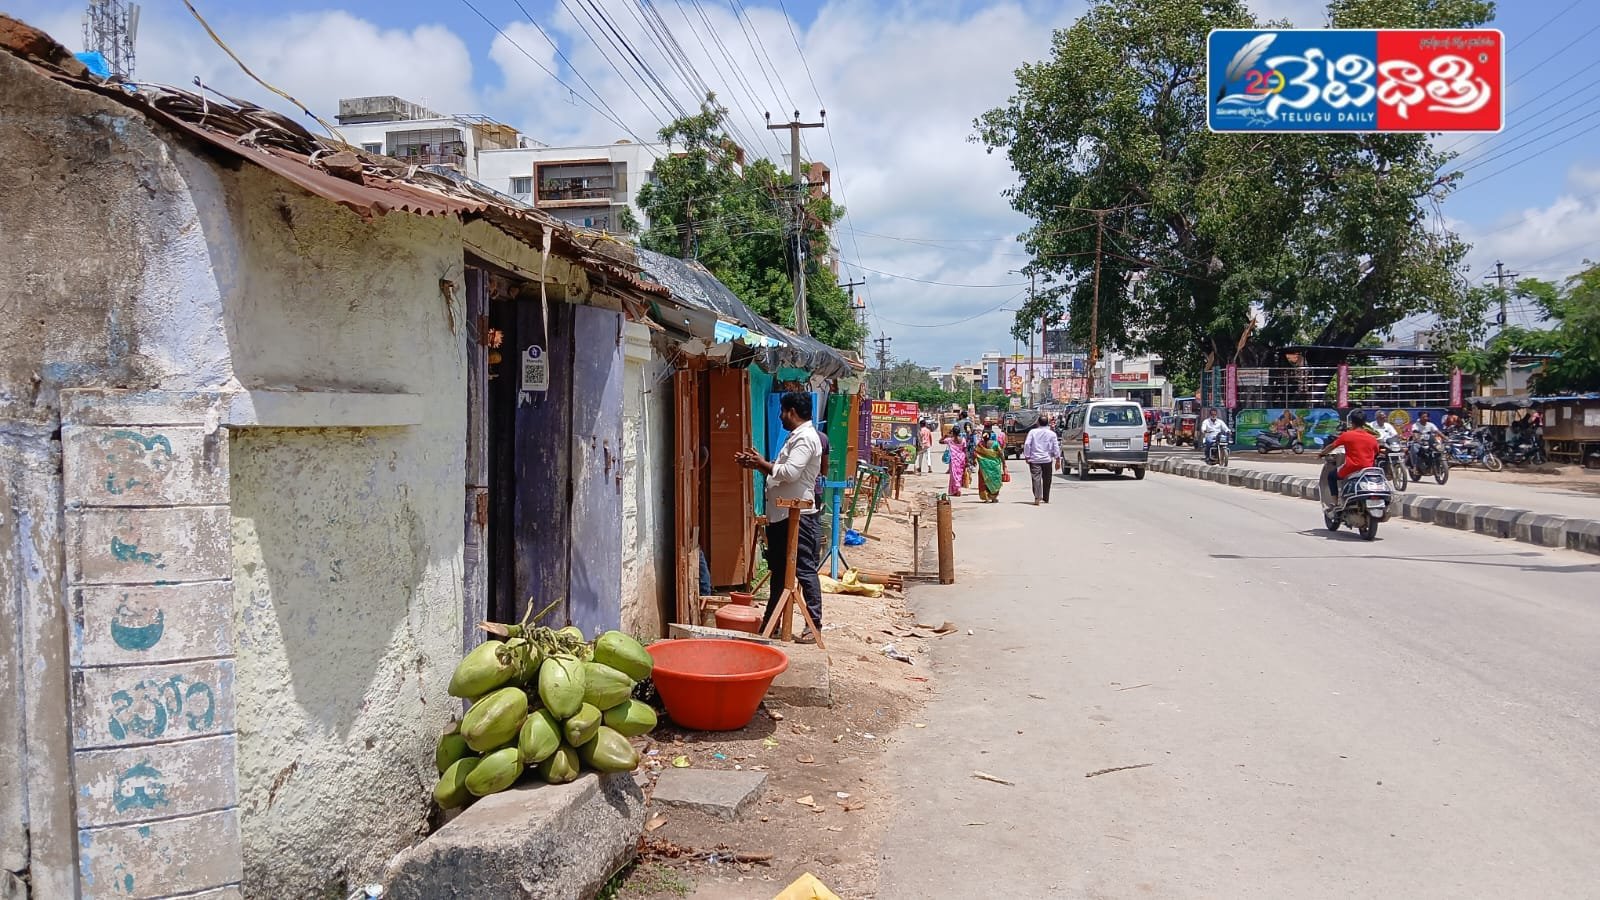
(1315, 716)
(1541, 494)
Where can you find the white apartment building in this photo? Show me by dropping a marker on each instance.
(413, 133)
(588, 186)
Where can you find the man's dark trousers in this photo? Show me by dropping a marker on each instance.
(1043, 474)
(806, 559)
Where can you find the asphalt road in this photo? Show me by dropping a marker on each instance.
(1314, 715)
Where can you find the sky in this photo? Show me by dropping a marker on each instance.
(902, 82)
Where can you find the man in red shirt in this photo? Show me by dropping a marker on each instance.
(1360, 448)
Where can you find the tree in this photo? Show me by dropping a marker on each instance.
(734, 219)
(1324, 234)
(1572, 343)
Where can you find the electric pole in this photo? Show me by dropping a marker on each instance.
(859, 310)
(1094, 307)
(882, 341)
(802, 322)
(1030, 401)
(1500, 275)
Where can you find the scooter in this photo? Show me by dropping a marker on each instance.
(1362, 501)
(1267, 441)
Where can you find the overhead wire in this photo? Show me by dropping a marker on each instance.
(621, 48)
(728, 97)
(990, 311)
(738, 73)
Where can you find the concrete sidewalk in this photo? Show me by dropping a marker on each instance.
(1470, 485)
(1517, 523)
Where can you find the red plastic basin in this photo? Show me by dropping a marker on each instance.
(714, 685)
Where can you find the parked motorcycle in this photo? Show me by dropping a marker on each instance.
(1522, 449)
(1392, 460)
(1466, 448)
(1362, 501)
(1427, 458)
(1267, 441)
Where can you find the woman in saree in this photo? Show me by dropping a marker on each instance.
(991, 469)
(956, 445)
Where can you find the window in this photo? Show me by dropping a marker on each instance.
(522, 184)
(1121, 414)
(376, 147)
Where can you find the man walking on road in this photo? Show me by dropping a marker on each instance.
(924, 449)
(1040, 451)
(792, 476)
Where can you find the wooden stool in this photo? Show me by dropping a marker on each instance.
(791, 590)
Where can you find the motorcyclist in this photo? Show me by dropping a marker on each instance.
(1422, 430)
(1384, 430)
(1360, 450)
(1211, 429)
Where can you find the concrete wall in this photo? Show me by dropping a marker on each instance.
(647, 488)
(346, 541)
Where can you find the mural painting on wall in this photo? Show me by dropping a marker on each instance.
(1317, 425)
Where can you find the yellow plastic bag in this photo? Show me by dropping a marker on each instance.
(807, 887)
(850, 584)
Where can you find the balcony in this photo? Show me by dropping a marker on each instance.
(455, 160)
(577, 192)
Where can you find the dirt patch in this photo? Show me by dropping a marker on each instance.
(825, 807)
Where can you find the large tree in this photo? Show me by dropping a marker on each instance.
(1327, 235)
(736, 220)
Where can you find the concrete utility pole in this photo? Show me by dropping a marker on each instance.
(802, 321)
(1499, 277)
(859, 310)
(1028, 393)
(882, 341)
(1094, 308)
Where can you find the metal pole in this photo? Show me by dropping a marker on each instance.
(802, 322)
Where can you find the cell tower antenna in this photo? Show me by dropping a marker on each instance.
(110, 27)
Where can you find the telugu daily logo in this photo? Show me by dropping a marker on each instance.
(1356, 81)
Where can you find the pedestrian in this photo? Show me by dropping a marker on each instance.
(925, 449)
(792, 476)
(956, 448)
(1041, 451)
(991, 469)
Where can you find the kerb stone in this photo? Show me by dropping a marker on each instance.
(723, 793)
(1583, 535)
(541, 841)
(805, 682)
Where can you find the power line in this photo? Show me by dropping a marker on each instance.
(1541, 63)
(1533, 117)
(1527, 159)
(731, 98)
(621, 47)
(950, 324)
(716, 38)
(1547, 22)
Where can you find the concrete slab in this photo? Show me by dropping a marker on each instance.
(1546, 531)
(805, 682)
(540, 841)
(723, 793)
(1583, 535)
(1500, 522)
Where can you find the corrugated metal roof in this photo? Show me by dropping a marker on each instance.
(692, 283)
(376, 186)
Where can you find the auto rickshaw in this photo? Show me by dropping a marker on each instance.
(1183, 429)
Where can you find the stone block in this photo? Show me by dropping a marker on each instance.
(110, 406)
(1583, 535)
(145, 546)
(543, 841)
(1546, 531)
(1427, 508)
(1236, 477)
(1499, 521)
(155, 781)
(128, 705)
(723, 793)
(1453, 514)
(172, 856)
(1310, 489)
(151, 623)
(687, 632)
(1254, 480)
(805, 681)
(159, 466)
(1289, 486)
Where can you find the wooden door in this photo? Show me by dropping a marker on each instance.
(596, 514)
(730, 517)
(475, 543)
(686, 491)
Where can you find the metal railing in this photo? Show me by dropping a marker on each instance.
(1302, 387)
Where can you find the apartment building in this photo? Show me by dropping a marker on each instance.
(588, 186)
(415, 134)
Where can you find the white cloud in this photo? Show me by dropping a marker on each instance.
(1549, 242)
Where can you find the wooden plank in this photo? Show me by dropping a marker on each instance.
(595, 596)
(685, 496)
(543, 466)
(731, 495)
(475, 539)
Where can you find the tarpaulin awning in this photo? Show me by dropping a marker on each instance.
(1525, 401)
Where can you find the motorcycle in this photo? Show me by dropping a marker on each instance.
(1267, 441)
(1392, 460)
(1362, 501)
(1216, 451)
(1428, 459)
(1522, 449)
(1466, 448)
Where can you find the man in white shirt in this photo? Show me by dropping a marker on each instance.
(1386, 432)
(1040, 452)
(1211, 429)
(792, 476)
(1422, 430)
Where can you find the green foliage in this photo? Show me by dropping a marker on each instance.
(733, 219)
(1572, 342)
(1325, 233)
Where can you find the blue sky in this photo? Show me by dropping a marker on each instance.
(901, 81)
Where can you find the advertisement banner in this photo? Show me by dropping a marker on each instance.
(1316, 425)
(894, 424)
(1230, 387)
(1344, 386)
(1455, 389)
(1355, 80)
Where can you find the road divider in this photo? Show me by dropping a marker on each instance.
(1524, 525)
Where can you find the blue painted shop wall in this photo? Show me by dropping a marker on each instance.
(596, 454)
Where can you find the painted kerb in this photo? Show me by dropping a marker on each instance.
(1521, 525)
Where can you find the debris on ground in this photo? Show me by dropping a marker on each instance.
(985, 776)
